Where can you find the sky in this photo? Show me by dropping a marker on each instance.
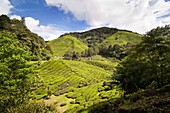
(51, 18)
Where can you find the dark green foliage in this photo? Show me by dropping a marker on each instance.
(95, 36)
(14, 70)
(68, 55)
(145, 74)
(33, 107)
(148, 64)
(101, 41)
(93, 50)
(15, 82)
(72, 55)
(104, 41)
(148, 101)
(27, 40)
(117, 51)
(4, 22)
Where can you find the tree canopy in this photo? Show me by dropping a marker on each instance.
(27, 40)
(14, 71)
(148, 65)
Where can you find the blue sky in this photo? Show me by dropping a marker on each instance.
(38, 9)
(51, 18)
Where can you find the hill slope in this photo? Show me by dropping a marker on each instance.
(82, 83)
(100, 35)
(108, 42)
(146, 101)
(27, 40)
(66, 43)
(100, 41)
(122, 37)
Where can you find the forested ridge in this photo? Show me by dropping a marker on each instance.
(107, 42)
(26, 39)
(104, 70)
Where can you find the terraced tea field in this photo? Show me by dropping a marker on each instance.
(122, 37)
(66, 43)
(75, 85)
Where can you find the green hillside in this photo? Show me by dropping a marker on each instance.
(110, 36)
(103, 64)
(122, 37)
(66, 43)
(25, 38)
(94, 36)
(80, 84)
(146, 101)
(144, 77)
(107, 42)
(108, 71)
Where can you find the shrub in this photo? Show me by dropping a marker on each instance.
(63, 104)
(106, 88)
(72, 102)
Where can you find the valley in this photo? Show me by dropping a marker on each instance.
(79, 80)
(102, 70)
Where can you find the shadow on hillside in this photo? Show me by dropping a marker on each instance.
(148, 101)
(102, 107)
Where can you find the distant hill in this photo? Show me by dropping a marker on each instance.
(100, 35)
(66, 43)
(121, 38)
(27, 40)
(94, 36)
(108, 42)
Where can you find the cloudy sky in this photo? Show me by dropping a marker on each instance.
(51, 18)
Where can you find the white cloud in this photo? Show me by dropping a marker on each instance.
(135, 15)
(48, 32)
(5, 7)
(15, 16)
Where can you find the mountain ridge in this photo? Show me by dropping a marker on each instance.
(100, 41)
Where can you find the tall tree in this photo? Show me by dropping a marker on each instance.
(14, 70)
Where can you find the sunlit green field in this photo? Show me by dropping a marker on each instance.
(75, 85)
(122, 37)
(60, 46)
